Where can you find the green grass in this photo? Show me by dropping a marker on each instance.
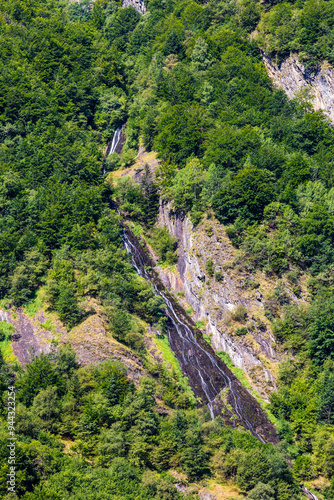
(6, 332)
(162, 343)
(207, 338)
(34, 305)
(47, 325)
(201, 324)
(238, 372)
(169, 357)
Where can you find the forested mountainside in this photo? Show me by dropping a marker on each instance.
(226, 150)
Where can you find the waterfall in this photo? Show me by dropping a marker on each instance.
(309, 495)
(115, 140)
(112, 145)
(207, 373)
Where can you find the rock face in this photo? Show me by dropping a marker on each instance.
(291, 76)
(91, 340)
(30, 338)
(137, 4)
(213, 301)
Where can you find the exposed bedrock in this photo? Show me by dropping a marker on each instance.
(139, 5)
(212, 301)
(292, 76)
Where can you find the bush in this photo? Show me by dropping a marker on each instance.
(239, 314)
(209, 267)
(218, 275)
(261, 492)
(164, 244)
(241, 331)
(6, 331)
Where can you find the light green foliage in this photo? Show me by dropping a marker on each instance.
(6, 331)
(164, 244)
(304, 27)
(187, 186)
(6, 350)
(200, 56)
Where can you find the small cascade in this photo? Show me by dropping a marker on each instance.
(112, 145)
(207, 374)
(115, 140)
(309, 495)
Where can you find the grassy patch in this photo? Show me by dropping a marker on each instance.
(167, 266)
(162, 343)
(6, 332)
(169, 357)
(47, 325)
(201, 324)
(238, 372)
(34, 305)
(207, 338)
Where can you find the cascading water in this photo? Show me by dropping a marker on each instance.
(207, 373)
(112, 145)
(115, 140)
(309, 495)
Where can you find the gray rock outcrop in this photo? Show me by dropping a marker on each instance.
(292, 77)
(137, 4)
(213, 301)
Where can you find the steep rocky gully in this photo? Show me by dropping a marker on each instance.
(209, 377)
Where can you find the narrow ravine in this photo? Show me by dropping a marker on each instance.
(207, 373)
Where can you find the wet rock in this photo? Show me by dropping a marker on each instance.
(211, 380)
(215, 299)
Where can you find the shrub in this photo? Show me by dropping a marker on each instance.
(239, 314)
(164, 244)
(261, 492)
(241, 331)
(209, 267)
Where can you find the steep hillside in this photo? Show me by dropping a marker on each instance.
(166, 232)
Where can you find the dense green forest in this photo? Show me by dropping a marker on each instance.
(123, 447)
(188, 80)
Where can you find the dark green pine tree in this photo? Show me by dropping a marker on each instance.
(150, 192)
(113, 391)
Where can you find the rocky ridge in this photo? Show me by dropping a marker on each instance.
(213, 302)
(293, 77)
